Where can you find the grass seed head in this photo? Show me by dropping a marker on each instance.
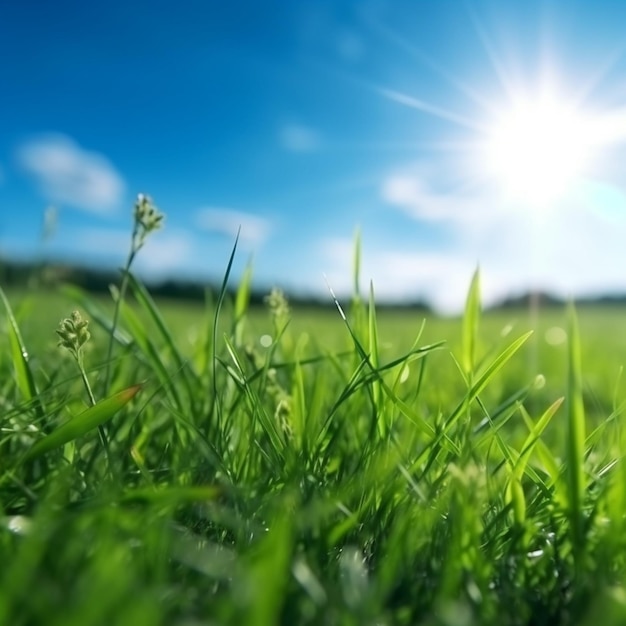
(147, 218)
(278, 306)
(73, 333)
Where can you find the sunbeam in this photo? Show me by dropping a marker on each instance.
(427, 61)
(431, 109)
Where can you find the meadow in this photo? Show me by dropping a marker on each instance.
(217, 464)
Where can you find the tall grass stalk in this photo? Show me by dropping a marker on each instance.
(575, 453)
(146, 219)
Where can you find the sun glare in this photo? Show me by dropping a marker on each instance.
(537, 149)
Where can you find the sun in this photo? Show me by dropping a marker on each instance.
(538, 148)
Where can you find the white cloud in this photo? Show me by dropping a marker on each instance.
(100, 241)
(416, 191)
(299, 138)
(69, 175)
(166, 253)
(575, 248)
(399, 275)
(254, 228)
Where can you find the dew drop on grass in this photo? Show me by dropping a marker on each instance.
(265, 341)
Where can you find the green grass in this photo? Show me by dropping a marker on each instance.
(380, 469)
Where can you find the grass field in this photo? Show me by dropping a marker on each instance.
(220, 465)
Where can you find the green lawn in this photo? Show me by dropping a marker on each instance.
(283, 468)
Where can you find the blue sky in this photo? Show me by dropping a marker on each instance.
(452, 132)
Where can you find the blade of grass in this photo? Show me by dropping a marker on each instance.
(140, 335)
(147, 303)
(256, 408)
(242, 300)
(471, 319)
(80, 425)
(534, 436)
(216, 317)
(375, 362)
(171, 495)
(268, 571)
(494, 367)
(19, 354)
(365, 360)
(299, 412)
(575, 441)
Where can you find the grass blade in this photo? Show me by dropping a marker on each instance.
(242, 298)
(139, 333)
(375, 362)
(171, 495)
(471, 319)
(256, 408)
(23, 373)
(482, 382)
(80, 425)
(268, 571)
(575, 453)
(218, 309)
(534, 436)
(149, 306)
